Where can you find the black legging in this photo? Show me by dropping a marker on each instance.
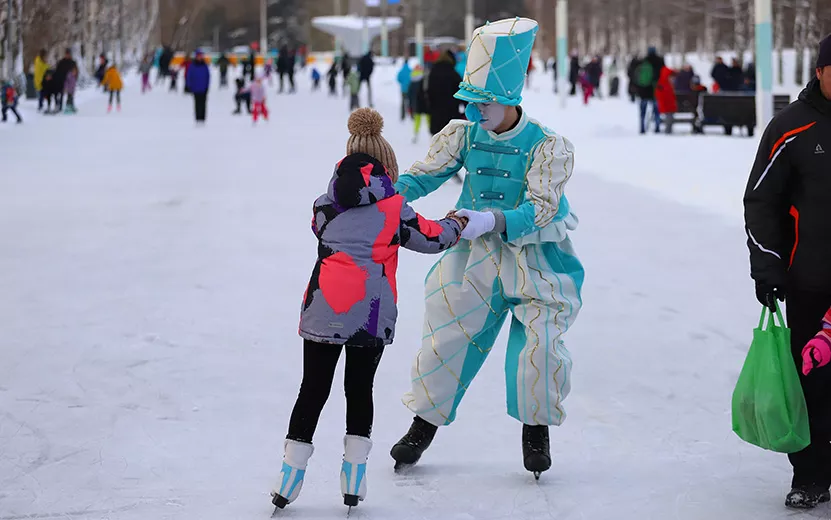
(200, 104)
(290, 75)
(319, 363)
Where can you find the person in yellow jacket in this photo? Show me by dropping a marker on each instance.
(112, 82)
(40, 71)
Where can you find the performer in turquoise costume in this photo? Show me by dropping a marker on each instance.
(517, 258)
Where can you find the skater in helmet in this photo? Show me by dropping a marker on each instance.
(523, 264)
(350, 303)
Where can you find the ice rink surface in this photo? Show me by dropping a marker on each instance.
(150, 283)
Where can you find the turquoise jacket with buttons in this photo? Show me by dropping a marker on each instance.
(522, 173)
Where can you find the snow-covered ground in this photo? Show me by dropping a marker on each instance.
(150, 282)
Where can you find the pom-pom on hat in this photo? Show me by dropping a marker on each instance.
(365, 125)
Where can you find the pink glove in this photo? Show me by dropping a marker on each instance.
(817, 353)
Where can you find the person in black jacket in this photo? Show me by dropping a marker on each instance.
(346, 68)
(595, 70)
(646, 77)
(735, 77)
(788, 218)
(630, 74)
(365, 68)
(252, 59)
(165, 59)
(103, 65)
(573, 73)
(62, 70)
(442, 85)
(50, 90)
(223, 63)
(285, 67)
(721, 74)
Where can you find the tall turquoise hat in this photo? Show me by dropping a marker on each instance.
(497, 62)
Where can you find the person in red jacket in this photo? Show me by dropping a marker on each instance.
(665, 96)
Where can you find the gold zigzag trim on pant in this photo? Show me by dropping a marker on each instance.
(560, 308)
(529, 326)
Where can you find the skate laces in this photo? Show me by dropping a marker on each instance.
(536, 438)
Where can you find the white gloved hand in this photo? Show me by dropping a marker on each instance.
(479, 223)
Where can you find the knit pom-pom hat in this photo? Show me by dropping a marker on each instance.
(365, 125)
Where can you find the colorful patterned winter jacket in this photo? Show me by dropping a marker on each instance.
(360, 224)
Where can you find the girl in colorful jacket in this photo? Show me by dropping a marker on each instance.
(350, 303)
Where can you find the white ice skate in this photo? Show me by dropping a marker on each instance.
(353, 471)
(294, 471)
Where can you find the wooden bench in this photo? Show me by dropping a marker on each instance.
(730, 109)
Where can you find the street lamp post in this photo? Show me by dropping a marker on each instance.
(121, 34)
(263, 28)
(365, 34)
(337, 13)
(9, 39)
(562, 49)
(419, 33)
(764, 63)
(468, 21)
(385, 44)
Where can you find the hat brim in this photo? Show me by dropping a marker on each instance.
(472, 97)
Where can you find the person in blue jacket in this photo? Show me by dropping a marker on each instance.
(198, 82)
(404, 81)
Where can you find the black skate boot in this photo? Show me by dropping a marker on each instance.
(536, 449)
(410, 448)
(807, 497)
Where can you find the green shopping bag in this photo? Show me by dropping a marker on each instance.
(769, 408)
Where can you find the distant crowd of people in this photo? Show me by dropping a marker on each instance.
(655, 86)
(428, 92)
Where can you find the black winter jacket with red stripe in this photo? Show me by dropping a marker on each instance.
(788, 198)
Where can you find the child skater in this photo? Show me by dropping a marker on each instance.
(586, 85)
(332, 76)
(49, 90)
(69, 87)
(350, 303)
(145, 68)
(258, 99)
(315, 79)
(418, 101)
(8, 101)
(354, 83)
(268, 69)
(112, 82)
(174, 77)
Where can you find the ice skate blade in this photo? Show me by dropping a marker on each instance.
(537, 475)
(401, 467)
